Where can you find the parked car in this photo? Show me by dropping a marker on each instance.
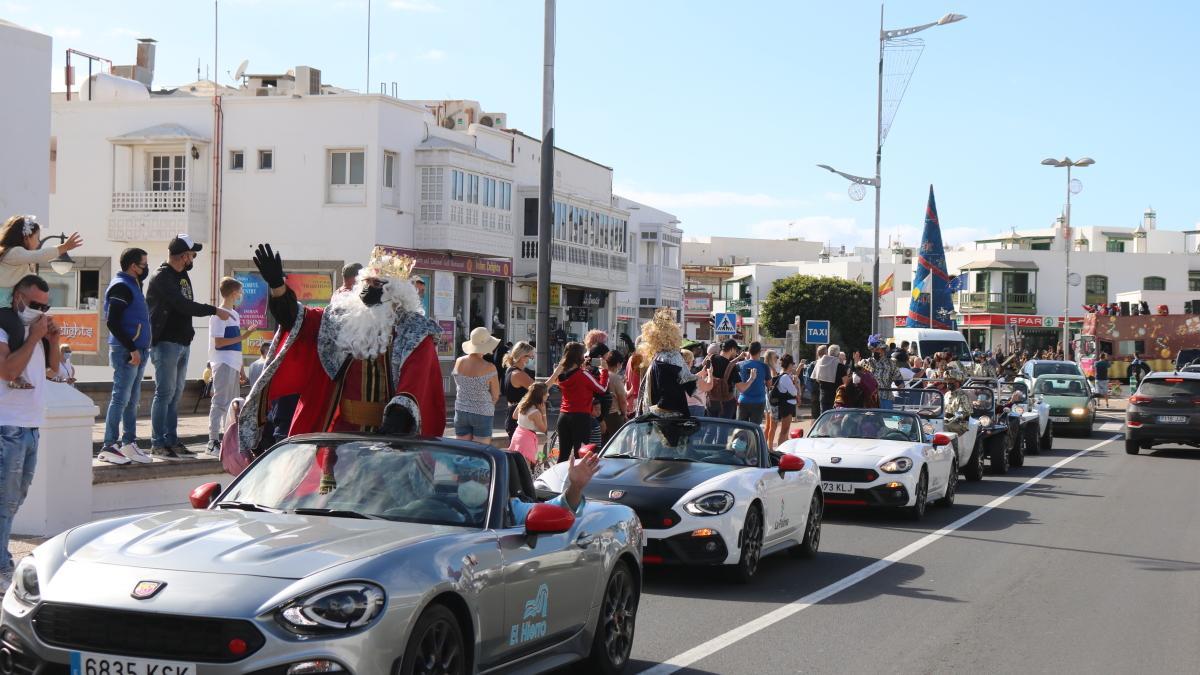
(708, 492)
(337, 553)
(1071, 399)
(1035, 368)
(1187, 357)
(1164, 409)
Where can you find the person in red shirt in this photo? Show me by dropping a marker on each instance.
(578, 389)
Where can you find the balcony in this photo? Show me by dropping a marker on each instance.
(577, 265)
(158, 215)
(659, 277)
(994, 303)
(464, 228)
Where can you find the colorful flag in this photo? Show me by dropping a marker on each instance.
(931, 305)
(888, 285)
(958, 283)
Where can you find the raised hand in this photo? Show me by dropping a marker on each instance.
(579, 474)
(270, 265)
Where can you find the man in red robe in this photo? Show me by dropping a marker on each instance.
(370, 349)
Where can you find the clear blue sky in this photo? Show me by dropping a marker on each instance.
(718, 112)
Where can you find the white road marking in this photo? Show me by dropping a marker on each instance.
(1111, 427)
(724, 640)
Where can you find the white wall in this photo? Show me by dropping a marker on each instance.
(711, 249)
(25, 131)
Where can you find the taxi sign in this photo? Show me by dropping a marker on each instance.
(816, 332)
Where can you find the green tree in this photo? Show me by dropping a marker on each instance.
(846, 304)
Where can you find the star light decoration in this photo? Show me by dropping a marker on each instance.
(944, 313)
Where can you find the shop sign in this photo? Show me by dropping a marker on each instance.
(697, 304)
(81, 331)
(443, 295)
(445, 342)
(461, 264)
(555, 295)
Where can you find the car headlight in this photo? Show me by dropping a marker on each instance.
(25, 584)
(711, 504)
(337, 608)
(1018, 410)
(1078, 411)
(985, 420)
(898, 465)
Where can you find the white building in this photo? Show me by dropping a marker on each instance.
(744, 250)
(24, 170)
(656, 278)
(325, 175)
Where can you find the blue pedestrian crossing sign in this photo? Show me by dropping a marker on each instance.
(816, 332)
(725, 323)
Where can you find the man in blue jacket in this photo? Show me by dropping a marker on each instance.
(128, 320)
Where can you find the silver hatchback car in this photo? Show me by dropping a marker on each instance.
(337, 553)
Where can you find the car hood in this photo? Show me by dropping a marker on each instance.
(852, 451)
(647, 484)
(1065, 401)
(246, 543)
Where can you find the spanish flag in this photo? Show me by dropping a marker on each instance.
(887, 285)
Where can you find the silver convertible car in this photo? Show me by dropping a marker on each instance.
(337, 553)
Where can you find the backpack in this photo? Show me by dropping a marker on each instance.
(775, 397)
(722, 390)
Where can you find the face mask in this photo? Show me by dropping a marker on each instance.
(738, 445)
(237, 299)
(371, 295)
(856, 379)
(29, 315)
(141, 277)
(188, 267)
(473, 494)
(67, 355)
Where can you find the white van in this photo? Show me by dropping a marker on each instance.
(925, 342)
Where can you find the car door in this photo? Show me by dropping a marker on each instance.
(550, 582)
(785, 508)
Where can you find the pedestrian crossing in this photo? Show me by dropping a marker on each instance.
(1111, 427)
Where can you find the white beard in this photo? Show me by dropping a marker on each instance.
(363, 332)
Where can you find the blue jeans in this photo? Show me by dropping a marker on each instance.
(126, 395)
(170, 375)
(18, 459)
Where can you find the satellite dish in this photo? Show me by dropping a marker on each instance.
(241, 70)
(1075, 186)
(857, 192)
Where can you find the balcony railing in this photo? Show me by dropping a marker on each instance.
(660, 276)
(159, 201)
(996, 303)
(580, 262)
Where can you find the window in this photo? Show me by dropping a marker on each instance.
(347, 167)
(266, 160)
(1040, 246)
(1115, 246)
(1194, 282)
(1016, 283)
(237, 160)
(1154, 284)
(457, 179)
(982, 282)
(389, 168)
(1095, 289)
(168, 173)
(906, 286)
(472, 189)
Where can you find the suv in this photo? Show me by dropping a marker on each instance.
(1185, 357)
(1164, 409)
(1035, 368)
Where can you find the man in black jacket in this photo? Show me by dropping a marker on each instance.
(170, 298)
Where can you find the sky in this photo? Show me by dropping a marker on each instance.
(718, 111)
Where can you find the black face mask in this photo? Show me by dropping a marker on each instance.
(371, 295)
(141, 277)
(188, 267)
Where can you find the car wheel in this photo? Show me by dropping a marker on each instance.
(1087, 433)
(1047, 441)
(1016, 453)
(812, 529)
(614, 629)
(1032, 442)
(1132, 447)
(974, 468)
(947, 499)
(752, 536)
(435, 645)
(917, 510)
(999, 455)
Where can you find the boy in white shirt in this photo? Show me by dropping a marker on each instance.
(225, 354)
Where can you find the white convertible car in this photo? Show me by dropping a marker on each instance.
(880, 458)
(707, 491)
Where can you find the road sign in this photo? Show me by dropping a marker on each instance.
(725, 323)
(816, 332)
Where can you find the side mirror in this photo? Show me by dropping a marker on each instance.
(796, 433)
(585, 450)
(940, 439)
(548, 519)
(790, 463)
(203, 496)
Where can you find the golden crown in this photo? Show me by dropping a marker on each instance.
(386, 264)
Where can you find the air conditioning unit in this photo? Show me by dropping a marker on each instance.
(495, 120)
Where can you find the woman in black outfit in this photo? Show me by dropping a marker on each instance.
(516, 380)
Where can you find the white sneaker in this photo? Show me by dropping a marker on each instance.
(111, 455)
(134, 454)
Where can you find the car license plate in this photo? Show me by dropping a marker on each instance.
(838, 488)
(1060, 419)
(105, 664)
(1172, 419)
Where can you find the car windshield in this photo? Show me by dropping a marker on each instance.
(373, 479)
(926, 401)
(686, 440)
(1056, 368)
(981, 399)
(1169, 386)
(878, 424)
(957, 348)
(1060, 386)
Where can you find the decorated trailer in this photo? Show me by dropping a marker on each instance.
(1156, 337)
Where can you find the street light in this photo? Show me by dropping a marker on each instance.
(1073, 187)
(63, 264)
(857, 192)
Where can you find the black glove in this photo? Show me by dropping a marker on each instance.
(269, 265)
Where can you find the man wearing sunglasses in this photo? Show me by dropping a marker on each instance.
(29, 345)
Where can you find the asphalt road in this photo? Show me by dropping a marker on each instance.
(1093, 568)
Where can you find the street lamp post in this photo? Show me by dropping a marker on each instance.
(856, 193)
(63, 264)
(1072, 187)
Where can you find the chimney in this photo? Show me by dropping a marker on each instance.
(308, 81)
(145, 61)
